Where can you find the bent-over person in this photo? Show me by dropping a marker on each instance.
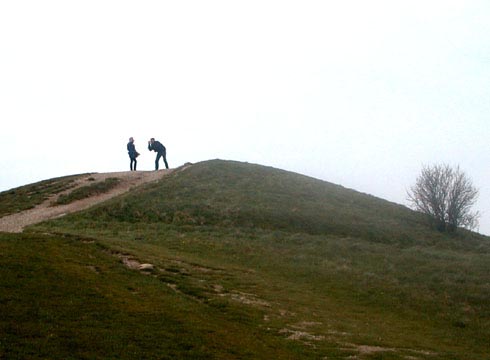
(161, 151)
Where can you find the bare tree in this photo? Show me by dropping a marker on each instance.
(447, 195)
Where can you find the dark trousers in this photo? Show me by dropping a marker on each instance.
(132, 164)
(159, 155)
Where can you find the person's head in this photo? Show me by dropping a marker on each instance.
(152, 140)
(131, 139)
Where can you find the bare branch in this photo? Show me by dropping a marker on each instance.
(447, 195)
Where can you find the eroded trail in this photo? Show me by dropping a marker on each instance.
(45, 211)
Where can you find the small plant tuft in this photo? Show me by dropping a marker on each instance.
(87, 191)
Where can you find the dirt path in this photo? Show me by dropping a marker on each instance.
(128, 179)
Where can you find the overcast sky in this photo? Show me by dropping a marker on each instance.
(358, 93)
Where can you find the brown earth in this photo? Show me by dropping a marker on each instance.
(128, 179)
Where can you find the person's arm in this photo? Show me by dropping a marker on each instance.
(149, 146)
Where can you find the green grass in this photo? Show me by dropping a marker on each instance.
(251, 262)
(358, 292)
(68, 299)
(87, 191)
(232, 194)
(28, 196)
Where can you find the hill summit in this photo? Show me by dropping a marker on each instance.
(235, 194)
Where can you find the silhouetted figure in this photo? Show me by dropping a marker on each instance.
(133, 154)
(158, 147)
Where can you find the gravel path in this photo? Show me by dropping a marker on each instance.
(128, 179)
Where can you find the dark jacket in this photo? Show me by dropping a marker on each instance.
(131, 150)
(158, 147)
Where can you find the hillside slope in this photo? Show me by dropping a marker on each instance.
(233, 194)
(227, 260)
(42, 201)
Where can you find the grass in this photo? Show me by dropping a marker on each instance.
(87, 191)
(250, 262)
(83, 303)
(353, 291)
(28, 196)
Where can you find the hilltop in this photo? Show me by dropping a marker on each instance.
(230, 260)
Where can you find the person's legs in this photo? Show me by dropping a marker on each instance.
(165, 159)
(131, 166)
(157, 160)
(135, 162)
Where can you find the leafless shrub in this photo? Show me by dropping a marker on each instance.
(447, 195)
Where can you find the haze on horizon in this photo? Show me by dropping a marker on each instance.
(359, 94)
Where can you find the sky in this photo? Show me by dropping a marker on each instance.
(358, 93)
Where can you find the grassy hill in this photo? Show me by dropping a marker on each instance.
(247, 262)
(28, 196)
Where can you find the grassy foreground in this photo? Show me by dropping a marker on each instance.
(65, 298)
(248, 262)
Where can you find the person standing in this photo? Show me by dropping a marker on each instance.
(161, 151)
(133, 154)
